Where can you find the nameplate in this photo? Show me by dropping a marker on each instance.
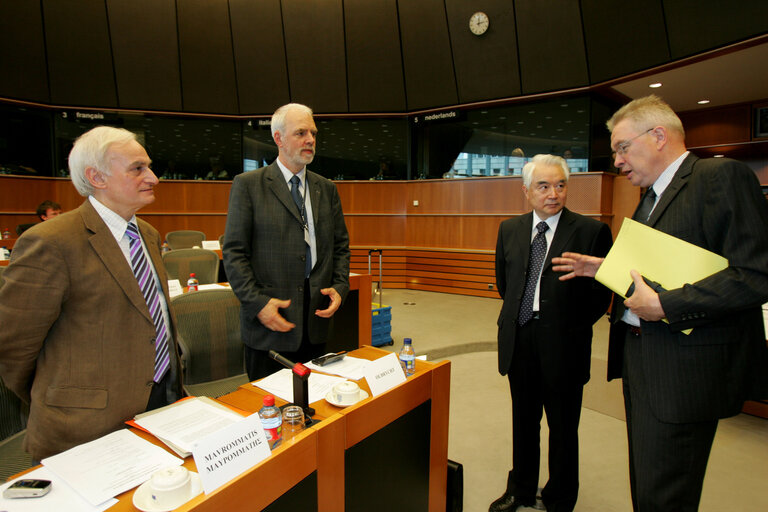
(174, 288)
(384, 373)
(211, 245)
(229, 452)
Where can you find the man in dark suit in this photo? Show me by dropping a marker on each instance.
(79, 340)
(545, 333)
(286, 249)
(677, 385)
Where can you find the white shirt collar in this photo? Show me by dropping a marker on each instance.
(551, 221)
(287, 174)
(663, 181)
(114, 222)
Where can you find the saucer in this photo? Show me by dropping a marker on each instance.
(142, 498)
(329, 398)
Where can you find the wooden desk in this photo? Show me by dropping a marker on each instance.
(385, 453)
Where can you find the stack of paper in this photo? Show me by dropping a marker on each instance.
(182, 424)
(100, 470)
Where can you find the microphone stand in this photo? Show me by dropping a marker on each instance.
(300, 384)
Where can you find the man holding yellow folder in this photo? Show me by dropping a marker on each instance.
(677, 386)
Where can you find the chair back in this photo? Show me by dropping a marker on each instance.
(209, 334)
(2, 281)
(23, 227)
(184, 239)
(180, 263)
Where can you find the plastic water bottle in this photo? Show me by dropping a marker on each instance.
(6, 233)
(165, 247)
(408, 357)
(271, 420)
(192, 283)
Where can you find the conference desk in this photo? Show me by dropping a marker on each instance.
(385, 453)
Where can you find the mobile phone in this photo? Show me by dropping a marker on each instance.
(28, 488)
(328, 359)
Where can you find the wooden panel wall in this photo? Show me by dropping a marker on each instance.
(486, 66)
(146, 53)
(79, 52)
(314, 40)
(247, 57)
(207, 62)
(374, 63)
(427, 58)
(446, 243)
(551, 42)
(23, 72)
(697, 25)
(612, 53)
(260, 63)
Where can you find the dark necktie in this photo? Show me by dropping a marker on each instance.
(295, 182)
(535, 261)
(646, 206)
(143, 273)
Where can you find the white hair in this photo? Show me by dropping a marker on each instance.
(277, 124)
(553, 160)
(646, 113)
(90, 150)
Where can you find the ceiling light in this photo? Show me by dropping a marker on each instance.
(655, 85)
(719, 156)
(702, 102)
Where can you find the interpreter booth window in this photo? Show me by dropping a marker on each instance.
(25, 141)
(499, 141)
(180, 148)
(346, 149)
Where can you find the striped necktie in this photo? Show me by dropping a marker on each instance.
(143, 273)
(535, 262)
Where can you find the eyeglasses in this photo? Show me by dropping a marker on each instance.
(623, 147)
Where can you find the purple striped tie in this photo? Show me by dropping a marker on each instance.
(143, 273)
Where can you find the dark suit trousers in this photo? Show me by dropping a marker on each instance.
(258, 364)
(667, 461)
(531, 396)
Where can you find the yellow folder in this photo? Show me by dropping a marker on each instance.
(660, 257)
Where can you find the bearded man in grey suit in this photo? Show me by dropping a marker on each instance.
(677, 385)
(286, 249)
(80, 341)
(545, 334)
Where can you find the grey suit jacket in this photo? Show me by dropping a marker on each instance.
(77, 341)
(264, 253)
(568, 309)
(715, 204)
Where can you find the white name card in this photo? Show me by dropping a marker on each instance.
(223, 455)
(211, 245)
(174, 288)
(384, 373)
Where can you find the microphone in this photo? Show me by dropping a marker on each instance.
(297, 368)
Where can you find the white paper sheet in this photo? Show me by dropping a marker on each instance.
(351, 368)
(61, 497)
(281, 384)
(187, 422)
(174, 288)
(102, 469)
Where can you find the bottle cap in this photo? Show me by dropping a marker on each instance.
(269, 400)
(406, 341)
(192, 274)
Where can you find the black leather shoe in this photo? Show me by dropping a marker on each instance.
(509, 503)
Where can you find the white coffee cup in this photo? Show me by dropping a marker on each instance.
(346, 393)
(170, 487)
